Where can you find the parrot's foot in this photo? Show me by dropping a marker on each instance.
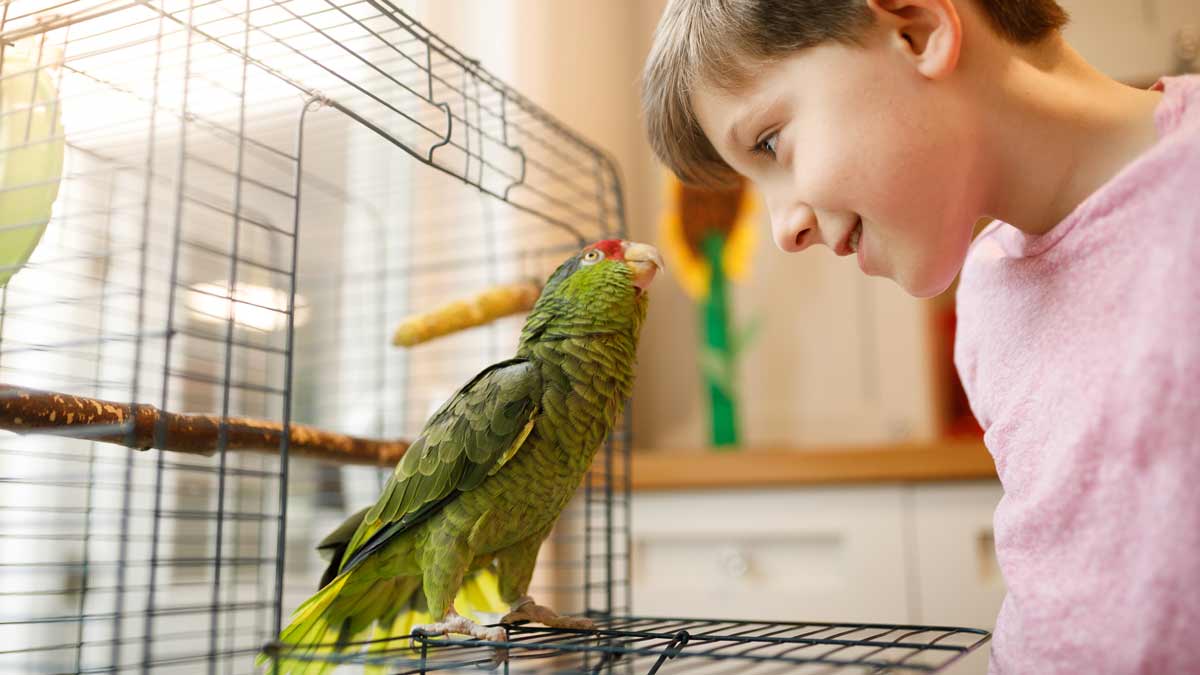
(461, 625)
(528, 610)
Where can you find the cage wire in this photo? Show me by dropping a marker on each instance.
(695, 646)
(248, 195)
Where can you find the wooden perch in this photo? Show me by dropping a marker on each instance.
(30, 410)
(477, 310)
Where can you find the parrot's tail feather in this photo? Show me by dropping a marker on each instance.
(479, 595)
(338, 614)
(392, 639)
(333, 546)
(309, 626)
(342, 613)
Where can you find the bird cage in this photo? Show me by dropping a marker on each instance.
(214, 215)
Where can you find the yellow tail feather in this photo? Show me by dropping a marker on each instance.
(311, 638)
(480, 593)
(309, 627)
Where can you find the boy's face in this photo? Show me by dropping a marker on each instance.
(854, 148)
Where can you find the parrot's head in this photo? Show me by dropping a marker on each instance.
(601, 288)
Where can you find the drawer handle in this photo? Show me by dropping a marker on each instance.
(733, 562)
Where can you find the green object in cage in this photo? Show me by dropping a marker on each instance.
(31, 155)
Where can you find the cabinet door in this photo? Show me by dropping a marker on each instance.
(785, 555)
(958, 581)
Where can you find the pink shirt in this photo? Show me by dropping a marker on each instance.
(1080, 354)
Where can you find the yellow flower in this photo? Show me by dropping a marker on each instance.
(691, 215)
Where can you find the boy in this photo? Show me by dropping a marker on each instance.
(886, 129)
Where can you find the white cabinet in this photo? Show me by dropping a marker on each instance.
(878, 553)
(957, 577)
(770, 554)
(958, 582)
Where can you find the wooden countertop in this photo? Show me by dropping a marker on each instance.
(756, 467)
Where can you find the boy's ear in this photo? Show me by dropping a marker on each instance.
(929, 32)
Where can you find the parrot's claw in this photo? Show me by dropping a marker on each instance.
(461, 625)
(535, 613)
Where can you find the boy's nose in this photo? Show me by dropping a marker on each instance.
(794, 228)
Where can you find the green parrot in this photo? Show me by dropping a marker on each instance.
(462, 518)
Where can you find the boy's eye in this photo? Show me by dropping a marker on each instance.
(767, 145)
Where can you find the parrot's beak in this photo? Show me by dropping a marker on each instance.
(644, 260)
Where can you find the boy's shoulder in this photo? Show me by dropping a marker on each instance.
(1172, 166)
(1148, 214)
(1162, 182)
(1179, 112)
(1178, 122)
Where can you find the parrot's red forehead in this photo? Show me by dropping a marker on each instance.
(610, 247)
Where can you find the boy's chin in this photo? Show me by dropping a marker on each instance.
(924, 283)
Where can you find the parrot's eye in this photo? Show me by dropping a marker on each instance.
(592, 256)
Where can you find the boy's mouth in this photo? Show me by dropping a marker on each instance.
(855, 235)
(849, 243)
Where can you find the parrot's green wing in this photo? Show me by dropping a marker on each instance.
(469, 438)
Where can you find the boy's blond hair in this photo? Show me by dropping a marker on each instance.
(719, 42)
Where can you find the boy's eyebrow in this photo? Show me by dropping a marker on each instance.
(752, 112)
(735, 130)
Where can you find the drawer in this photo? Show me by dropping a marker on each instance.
(786, 555)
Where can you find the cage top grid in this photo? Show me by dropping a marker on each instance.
(246, 63)
(654, 644)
